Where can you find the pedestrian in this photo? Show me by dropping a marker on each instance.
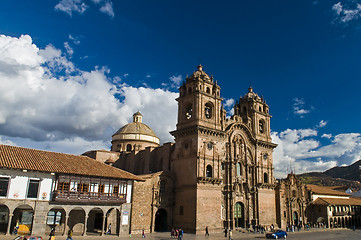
(230, 234)
(52, 233)
(109, 229)
(16, 227)
(172, 233)
(143, 234)
(176, 233)
(207, 233)
(180, 234)
(225, 232)
(70, 235)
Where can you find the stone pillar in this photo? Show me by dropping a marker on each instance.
(103, 224)
(65, 223)
(85, 224)
(9, 224)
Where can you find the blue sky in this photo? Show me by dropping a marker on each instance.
(74, 71)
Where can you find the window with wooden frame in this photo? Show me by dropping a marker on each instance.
(63, 186)
(101, 188)
(116, 189)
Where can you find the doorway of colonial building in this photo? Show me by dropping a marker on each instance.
(4, 219)
(295, 218)
(239, 215)
(161, 221)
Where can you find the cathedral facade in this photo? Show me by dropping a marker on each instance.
(218, 172)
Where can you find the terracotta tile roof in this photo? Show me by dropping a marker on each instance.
(37, 160)
(337, 201)
(325, 190)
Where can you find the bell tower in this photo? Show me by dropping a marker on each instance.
(197, 157)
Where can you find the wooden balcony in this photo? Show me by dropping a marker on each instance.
(88, 197)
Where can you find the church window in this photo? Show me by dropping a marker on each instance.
(209, 172)
(261, 126)
(129, 147)
(4, 183)
(239, 169)
(188, 112)
(284, 213)
(208, 110)
(208, 90)
(181, 210)
(260, 109)
(210, 145)
(294, 193)
(265, 178)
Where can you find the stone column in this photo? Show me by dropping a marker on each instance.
(65, 223)
(103, 224)
(9, 224)
(85, 224)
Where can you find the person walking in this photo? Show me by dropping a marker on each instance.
(143, 234)
(180, 236)
(70, 235)
(207, 233)
(109, 229)
(52, 233)
(230, 234)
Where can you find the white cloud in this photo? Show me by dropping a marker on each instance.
(68, 49)
(325, 135)
(299, 108)
(45, 98)
(75, 39)
(322, 124)
(70, 6)
(175, 81)
(107, 8)
(346, 13)
(301, 150)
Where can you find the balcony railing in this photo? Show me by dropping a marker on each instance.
(343, 213)
(71, 196)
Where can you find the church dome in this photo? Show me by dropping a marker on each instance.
(199, 75)
(136, 134)
(251, 95)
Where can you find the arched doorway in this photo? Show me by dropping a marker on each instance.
(239, 215)
(76, 220)
(4, 218)
(24, 215)
(161, 221)
(56, 219)
(113, 218)
(95, 221)
(295, 218)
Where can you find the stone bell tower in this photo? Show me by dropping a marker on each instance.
(197, 157)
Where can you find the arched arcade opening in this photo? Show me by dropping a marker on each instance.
(161, 221)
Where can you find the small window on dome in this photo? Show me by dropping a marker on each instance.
(129, 147)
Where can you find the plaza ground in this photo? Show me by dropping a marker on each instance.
(319, 234)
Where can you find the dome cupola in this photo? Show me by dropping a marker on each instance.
(134, 136)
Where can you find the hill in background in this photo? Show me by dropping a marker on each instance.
(349, 176)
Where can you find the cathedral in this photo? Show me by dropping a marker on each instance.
(218, 172)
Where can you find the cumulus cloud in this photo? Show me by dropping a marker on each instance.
(300, 149)
(68, 49)
(299, 107)
(346, 13)
(45, 98)
(70, 6)
(322, 124)
(75, 39)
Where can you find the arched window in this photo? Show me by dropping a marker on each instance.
(260, 109)
(209, 172)
(208, 110)
(261, 126)
(239, 169)
(129, 147)
(294, 193)
(208, 90)
(188, 112)
(265, 178)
